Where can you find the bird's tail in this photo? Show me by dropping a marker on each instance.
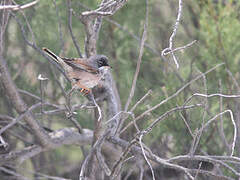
(51, 54)
(58, 59)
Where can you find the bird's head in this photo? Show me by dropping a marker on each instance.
(100, 60)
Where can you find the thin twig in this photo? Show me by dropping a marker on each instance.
(234, 125)
(121, 159)
(234, 79)
(98, 108)
(132, 109)
(102, 163)
(98, 22)
(75, 42)
(96, 145)
(155, 51)
(144, 38)
(166, 114)
(33, 44)
(18, 7)
(71, 111)
(145, 157)
(59, 27)
(210, 159)
(106, 8)
(41, 79)
(198, 133)
(38, 174)
(118, 114)
(174, 34)
(141, 100)
(172, 96)
(20, 117)
(221, 130)
(141, 169)
(13, 173)
(164, 53)
(186, 123)
(212, 95)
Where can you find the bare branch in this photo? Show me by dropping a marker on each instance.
(132, 109)
(33, 44)
(144, 38)
(39, 175)
(17, 101)
(86, 166)
(18, 7)
(166, 114)
(172, 96)
(187, 125)
(102, 163)
(167, 51)
(155, 51)
(174, 34)
(70, 28)
(221, 130)
(212, 159)
(20, 117)
(98, 108)
(106, 8)
(145, 157)
(59, 27)
(234, 125)
(121, 159)
(13, 173)
(150, 156)
(170, 49)
(66, 136)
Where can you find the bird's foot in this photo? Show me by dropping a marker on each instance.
(85, 91)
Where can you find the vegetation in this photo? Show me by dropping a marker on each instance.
(214, 24)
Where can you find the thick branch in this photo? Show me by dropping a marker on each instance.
(66, 136)
(18, 7)
(19, 104)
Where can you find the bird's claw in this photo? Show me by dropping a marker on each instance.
(85, 91)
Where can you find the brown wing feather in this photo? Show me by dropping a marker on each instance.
(80, 64)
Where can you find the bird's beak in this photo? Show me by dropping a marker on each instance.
(107, 67)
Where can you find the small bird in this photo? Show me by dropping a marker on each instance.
(84, 74)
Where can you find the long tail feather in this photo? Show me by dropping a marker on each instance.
(58, 59)
(51, 54)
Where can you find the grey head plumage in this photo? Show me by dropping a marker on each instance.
(99, 60)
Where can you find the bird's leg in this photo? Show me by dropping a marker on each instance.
(83, 90)
(87, 91)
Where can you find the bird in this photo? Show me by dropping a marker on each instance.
(84, 73)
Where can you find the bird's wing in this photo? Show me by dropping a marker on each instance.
(81, 64)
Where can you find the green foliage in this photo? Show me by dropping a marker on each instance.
(215, 26)
(219, 24)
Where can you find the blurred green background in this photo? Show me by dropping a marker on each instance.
(214, 24)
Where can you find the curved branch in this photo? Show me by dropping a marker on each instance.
(66, 136)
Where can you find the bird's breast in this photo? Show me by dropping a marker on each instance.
(86, 79)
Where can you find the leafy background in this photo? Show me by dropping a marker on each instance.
(214, 24)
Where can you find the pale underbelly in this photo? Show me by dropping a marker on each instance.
(89, 83)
